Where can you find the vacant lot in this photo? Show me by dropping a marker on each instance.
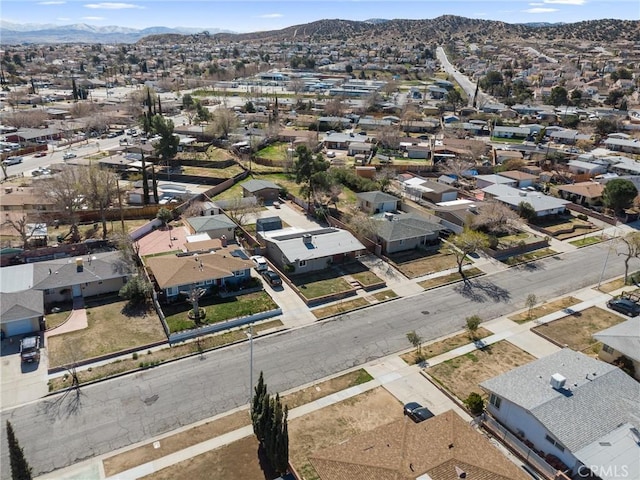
(112, 328)
(576, 330)
(545, 309)
(217, 460)
(416, 263)
(461, 375)
(437, 348)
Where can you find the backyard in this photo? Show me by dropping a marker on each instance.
(112, 328)
(419, 262)
(461, 375)
(217, 309)
(576, 331)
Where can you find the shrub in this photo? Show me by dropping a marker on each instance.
(582, 216)
(135, 355)
(475, 403)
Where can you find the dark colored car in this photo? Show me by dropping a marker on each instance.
(272, 278)
(417, 412)
(624, 305)
(445, 233)
(30, 349)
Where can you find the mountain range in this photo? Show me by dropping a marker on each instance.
(441, 30)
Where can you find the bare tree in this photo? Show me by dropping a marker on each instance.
(456, 166)
(389, 136)
(223, 122)
(65, 189)
(241, 211)
(335, 107)
(632, 243)
(495, 218)
(99, 186)
(193, 297)
(20, 225)
(530, 302)
(465, 243)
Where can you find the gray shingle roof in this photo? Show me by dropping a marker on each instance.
(376, 197)
(210, 222)
(405, 226)
(325, 242)
(257, 185)
(597, 398)
(624, 337)
(21, 305)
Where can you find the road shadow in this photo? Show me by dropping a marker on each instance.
(480, 291)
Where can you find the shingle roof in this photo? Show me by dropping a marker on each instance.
(325, 242)
(257, 185)
(404, 450)
(586, 189)
(405, 226)
(624, 337)
(173, 271)
(513, 196)
(21, 305)
(597, 399)
(376, 197)
(210, 222)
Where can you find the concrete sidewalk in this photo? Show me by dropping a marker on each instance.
(77, 320)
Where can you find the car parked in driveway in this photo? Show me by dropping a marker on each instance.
(260, 263)
(30, 349)
(272, 278)
(625, 306)
(417, 412)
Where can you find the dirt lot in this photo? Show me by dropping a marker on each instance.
(437, 348)
(545, 309)
(576, 330)
(147, 453)
(416, 263)
(337, 423)
(461, 375)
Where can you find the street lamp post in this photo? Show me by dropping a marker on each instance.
(250, 335)
(606, 259)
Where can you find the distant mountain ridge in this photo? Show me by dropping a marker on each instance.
(439, 30)
(13, 33)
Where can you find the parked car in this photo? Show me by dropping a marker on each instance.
(276, 204)
(445, 233)
(30, 349)
(417, 412)
(260, 262)
(12, 160)
(40, 154)
(69, 155)
(272, 278)
(624, 305)
(331, 154)
(40, 171)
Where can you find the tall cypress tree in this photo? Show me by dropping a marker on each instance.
(20, 469)
(74, 89)
(145, 182)
(256, 406)
(281, 456)
(159, 106)
(154, 182)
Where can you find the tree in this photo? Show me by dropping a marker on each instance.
(167, 147)
(466, 243)
(618, 194)
(526, 211)
(475, 403)
(495, 218)
(193, 297)
(20, 225)
(310, 170)
(260, 391)
(632, 243)
(530, 302)
(415, 340)
(99, 187)
(65, 189)
(20, 469)
(558, 96)
(241, 210)
(454, 98)
(164, 215)
(137, 290)
(223, 122)
(472, 324)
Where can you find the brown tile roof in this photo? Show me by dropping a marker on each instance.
(172, 271)
(202, 245)
(585, 189)
(518, 175)
(403, 450)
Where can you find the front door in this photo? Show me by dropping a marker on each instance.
(77, 291)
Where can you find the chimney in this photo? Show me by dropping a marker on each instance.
(79, 264)
(223, 240)
(307, 238)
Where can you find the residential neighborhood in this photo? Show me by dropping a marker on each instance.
(261, 256)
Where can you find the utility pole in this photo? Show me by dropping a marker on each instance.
(250, 334)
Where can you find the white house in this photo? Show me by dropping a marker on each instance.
(542, 204)
(582, 411)
(621, 340)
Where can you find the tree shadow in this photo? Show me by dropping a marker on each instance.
(480, 291)
(268, 472)
(64, 405)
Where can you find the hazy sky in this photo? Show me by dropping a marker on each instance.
(247, 16)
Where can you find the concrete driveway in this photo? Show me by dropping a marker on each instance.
(21, 382)
(288, 214)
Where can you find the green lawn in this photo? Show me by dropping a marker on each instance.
(218, 309)
(321, 284)
(275, 151)
(586, 241)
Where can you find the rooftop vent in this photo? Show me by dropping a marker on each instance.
(460, 473)
(557, 381)
(79, 264)
(306, 238)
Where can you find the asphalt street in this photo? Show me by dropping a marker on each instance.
(61, 430)
(467, 85)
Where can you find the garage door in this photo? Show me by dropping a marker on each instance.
(18, 327)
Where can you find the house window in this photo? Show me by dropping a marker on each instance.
(302, 263)
(171, 291)
(554, 442)
(208, 282)
(606, 348)
(239, 273)
(495, 401)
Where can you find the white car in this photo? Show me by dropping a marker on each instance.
(261, 263)
(331, 154)
(69, 155)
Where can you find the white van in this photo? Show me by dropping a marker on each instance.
(12, 160)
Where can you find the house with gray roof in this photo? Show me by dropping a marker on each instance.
(264, 190)
(621, 340)
(305, 251)
(623, 145)
(511, 132)
(542, 204)
(21, 312)
(213, 225)
(377, 202)
(399, 232)
(575, 408)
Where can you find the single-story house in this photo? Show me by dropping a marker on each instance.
(524, 179)
(621, 340)
(573, 408)
(443, 447)
(405, 231)
(175, 275)
(21, 312)
(309, 250)
(377, 202)
(338, 141)
(356, 148)
(263, 189)
(214, 225)
(418, 152)
(568, 137)
(622, 145)
(511, 132)
(502, 156)
(583, 193)
(578, 167)
(483, 181)
(437, 192)
(542, 204)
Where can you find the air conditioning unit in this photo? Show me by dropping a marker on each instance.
(557, 381)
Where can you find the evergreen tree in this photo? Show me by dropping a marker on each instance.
(281, 458)
(74, 89)
(154, 182)
(256, 406)
(20, 469)
(159, 106)
(145, 182)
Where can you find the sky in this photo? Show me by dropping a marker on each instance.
(250, 16)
